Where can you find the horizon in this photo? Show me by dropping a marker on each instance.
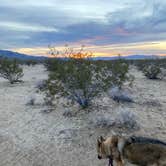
(93, 56)
(131, 27)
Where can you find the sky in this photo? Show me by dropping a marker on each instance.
(105, 27)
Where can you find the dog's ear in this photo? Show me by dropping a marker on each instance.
(114, 141)
(100, 140)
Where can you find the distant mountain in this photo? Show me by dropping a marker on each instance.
(11, 54)
(130, 57)
(141, 57)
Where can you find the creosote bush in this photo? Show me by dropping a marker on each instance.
(30, 62)
(152, 68)
(152, 71)
(116, 73)
(80, 79)
(74, 79)
(140, 64)
(10, 70)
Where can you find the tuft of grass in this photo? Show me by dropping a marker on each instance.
(120, 95)
(102, 120)
(121, 119)
(127, 119)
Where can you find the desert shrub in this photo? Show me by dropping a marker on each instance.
(118, 70)
(10, 70)
(121, 118)
(74, 79)
(48, 98)
(35, 99)
(67, 134)
(67, 113)
(152, 68)
(140, 64)
(80, 79)
(118, 95)
(152, 71)
(31, 101)
(103, 120)
(126, 118)
(30, 62)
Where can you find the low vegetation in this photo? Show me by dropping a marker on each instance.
(127, 119)
(152, 71)
(120, 95)
(152, 68)
(80, 79)
(31, 101)
(122, 118)
(11, 70)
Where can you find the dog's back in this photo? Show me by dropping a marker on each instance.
(145, 151)
(134, 139)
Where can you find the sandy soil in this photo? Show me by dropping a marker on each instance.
(30, 137)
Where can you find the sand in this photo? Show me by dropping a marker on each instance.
(30, 137)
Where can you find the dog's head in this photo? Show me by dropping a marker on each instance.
(101, 148)
(107, 148)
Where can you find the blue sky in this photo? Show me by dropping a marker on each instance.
(108, 27)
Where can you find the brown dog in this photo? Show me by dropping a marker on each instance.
(136, 150)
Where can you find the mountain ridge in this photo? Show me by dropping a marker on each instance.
(12, 54)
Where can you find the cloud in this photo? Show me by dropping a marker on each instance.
(14, 26)
(143, 18)
(37, 23)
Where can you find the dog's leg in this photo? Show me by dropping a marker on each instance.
(154, 164)
(118, 160)
(117, 157)
(119, 163)
(110, 162)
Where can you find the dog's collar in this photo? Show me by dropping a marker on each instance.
(110, 161)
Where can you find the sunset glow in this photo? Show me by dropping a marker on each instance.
(146, 48)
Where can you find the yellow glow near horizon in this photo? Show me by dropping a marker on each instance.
(148, 48)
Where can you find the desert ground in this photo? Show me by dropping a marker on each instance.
(32, 136)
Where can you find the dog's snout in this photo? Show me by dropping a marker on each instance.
(99, 157)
